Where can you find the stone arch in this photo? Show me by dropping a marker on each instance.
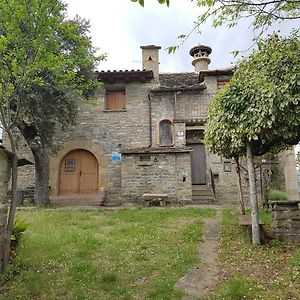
(73, 145)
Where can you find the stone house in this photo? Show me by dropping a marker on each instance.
(143, 136)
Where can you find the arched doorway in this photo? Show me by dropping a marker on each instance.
(78, 173)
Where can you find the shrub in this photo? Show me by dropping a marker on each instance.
(277, 195)
(20, 225)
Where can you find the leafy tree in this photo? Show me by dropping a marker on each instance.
(57, 98)
(259, 111)
(45, 60)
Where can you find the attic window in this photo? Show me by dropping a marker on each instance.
(150, 58)
(115, 99)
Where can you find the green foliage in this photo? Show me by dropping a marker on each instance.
(20, 226)
(261, 102)
(263, 12)
(277, 195)
(47, 65)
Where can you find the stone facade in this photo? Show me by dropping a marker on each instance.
(157, 171)
(127, 141)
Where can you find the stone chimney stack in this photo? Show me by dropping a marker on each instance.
(201, 60)
(150, 55)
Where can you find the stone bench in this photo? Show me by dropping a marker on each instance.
(155, 199)
(245, 221)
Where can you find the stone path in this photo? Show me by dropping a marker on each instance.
(199, 281)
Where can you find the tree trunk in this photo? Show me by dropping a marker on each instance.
(6, 238)
(41, 155)
(239, 184)
(253, 196)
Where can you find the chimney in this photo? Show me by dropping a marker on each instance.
(150, 55)
(201, 60)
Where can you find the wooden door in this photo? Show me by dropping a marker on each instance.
(198, 164)
(78, 173)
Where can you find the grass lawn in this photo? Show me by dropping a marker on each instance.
(122, 254)
(266, 272)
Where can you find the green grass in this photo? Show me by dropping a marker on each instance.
(267, 272)
(123, 254)
(277, 195)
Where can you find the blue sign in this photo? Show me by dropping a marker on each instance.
(116, 156)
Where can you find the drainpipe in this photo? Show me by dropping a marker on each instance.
(150, 120)
(175, 101)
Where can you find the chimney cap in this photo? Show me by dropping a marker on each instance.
(150, 47)
(200, 47)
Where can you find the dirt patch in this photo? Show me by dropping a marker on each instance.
(268, 270)
(200, 280)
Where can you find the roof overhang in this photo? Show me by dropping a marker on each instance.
(217, 72)
(126, 76)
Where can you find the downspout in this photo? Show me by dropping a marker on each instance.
(150, 120)
(175, 101)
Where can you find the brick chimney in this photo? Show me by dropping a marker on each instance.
(150, 55)
(200, 53)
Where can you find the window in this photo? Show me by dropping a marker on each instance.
(145, 157)
(165, 133)
(69, 165)
(115, 100)
(222, 83)
(227, 166)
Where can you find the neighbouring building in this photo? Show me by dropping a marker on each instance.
(143, 136)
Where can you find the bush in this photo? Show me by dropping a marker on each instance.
(277, 195)
(20, 225)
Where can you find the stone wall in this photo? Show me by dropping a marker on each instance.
(286, 220)
(157, 172)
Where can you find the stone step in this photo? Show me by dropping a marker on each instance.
(203, 197)
(200, 187)
(204, 192)
(201, 194)
(76, 200)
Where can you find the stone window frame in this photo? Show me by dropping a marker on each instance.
(159, 133)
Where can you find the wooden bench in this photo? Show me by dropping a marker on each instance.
(245, 221)
(155, 199)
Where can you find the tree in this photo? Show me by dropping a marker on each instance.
(259, 109)
(57, 98)
(40, 52)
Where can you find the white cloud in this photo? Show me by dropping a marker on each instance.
(120, 27)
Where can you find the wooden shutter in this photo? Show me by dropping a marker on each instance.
(165, 133)
(222, 83)
(115, 100)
